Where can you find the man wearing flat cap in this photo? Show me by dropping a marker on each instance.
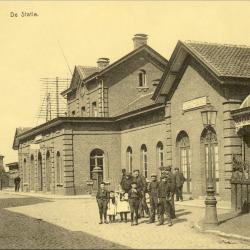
(153, 193)
(164, 198)
(180, 179)
(172, 181)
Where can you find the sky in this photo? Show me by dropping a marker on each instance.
(87, 30)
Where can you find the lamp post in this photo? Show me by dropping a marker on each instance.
(209, 120)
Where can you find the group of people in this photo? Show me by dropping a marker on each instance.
(141, 198)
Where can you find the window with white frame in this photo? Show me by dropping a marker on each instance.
(59, 171)
(160, 161)
(129, 159)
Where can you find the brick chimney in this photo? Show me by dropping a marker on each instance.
(102, 62)
(139, 40)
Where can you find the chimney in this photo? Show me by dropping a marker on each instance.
(102, 62)
(139, 40)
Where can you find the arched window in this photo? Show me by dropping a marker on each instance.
(48, 170)
(159, 151)
(40, 172)
(184, 156)
(32, 172)
(94, 109)
(96, 160)
(142, 78)
(59, 172)
(24, 170)
(129, 159)
(209, 138)
(144, 158)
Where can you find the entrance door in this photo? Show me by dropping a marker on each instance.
(185, 160)
(96, 167)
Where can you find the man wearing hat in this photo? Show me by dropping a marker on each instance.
(102, 198)
(164, 197)
(172, 181)
(126, 183)
(142, 187)
(180, 179)
(153, 193)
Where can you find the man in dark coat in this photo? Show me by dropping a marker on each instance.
(180, 179)
(164, 199)
(123, 176)
(102, 198)
(17, 181)
(126, 183)
(153, 194)
(172, 181)
(142, 187)
(134, 197)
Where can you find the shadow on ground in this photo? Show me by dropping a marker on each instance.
(18, 231)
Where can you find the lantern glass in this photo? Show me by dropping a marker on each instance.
(204, 116)
(209, 117)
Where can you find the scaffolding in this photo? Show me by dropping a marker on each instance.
(52, 104)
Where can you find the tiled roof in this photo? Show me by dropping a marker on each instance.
(141, 102)
(86, 71)
(225, 60)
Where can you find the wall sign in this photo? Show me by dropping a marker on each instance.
(34, 146)
(195, 103)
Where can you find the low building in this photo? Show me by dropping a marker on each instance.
(142, 112)
(13, 172)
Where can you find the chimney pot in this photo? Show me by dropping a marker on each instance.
(139, 40)
(102, 62)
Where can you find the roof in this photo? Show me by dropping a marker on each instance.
(245, 103)
(225, 59)
(138, 103)
(18, 132)
(243, 110)
(88, 73)
(225, 62)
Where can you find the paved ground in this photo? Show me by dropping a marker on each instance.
(74, 224)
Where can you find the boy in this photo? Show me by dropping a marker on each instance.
(134, 197)
(153, 193)
(102, 198)
(164, 200)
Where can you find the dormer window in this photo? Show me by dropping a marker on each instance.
(142, 78)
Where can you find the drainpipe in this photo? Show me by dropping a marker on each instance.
(102, 99)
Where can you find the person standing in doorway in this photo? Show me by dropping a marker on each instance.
(180, 179)
(17, 181)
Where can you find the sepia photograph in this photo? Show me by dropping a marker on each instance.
(125, 124)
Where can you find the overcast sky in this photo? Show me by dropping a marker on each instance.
(29, 47)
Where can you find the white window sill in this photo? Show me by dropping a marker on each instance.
(142, 89)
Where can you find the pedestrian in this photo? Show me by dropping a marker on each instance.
(102, 198)
(134, 196)
(126, 183)
(17, 181)
(164, 199)
(180, 179)
(111, 210)
(153, 194)
(122, 205)
(172, 181)
(123, 176)
(142, 187)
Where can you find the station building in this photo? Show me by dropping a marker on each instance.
(142, 112)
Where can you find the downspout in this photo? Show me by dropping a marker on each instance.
(102, 98)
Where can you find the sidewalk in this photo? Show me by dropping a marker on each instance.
(47, 196)
(232, 225)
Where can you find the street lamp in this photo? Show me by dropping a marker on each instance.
(209, 120)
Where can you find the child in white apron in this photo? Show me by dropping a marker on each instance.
(122, 204)
(111, 212)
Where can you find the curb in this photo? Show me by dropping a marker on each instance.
(222, 234)
(49, 197)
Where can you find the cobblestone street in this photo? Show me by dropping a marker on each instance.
(36, 223)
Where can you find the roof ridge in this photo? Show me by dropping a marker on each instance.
(216, 43)
(88, 67)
